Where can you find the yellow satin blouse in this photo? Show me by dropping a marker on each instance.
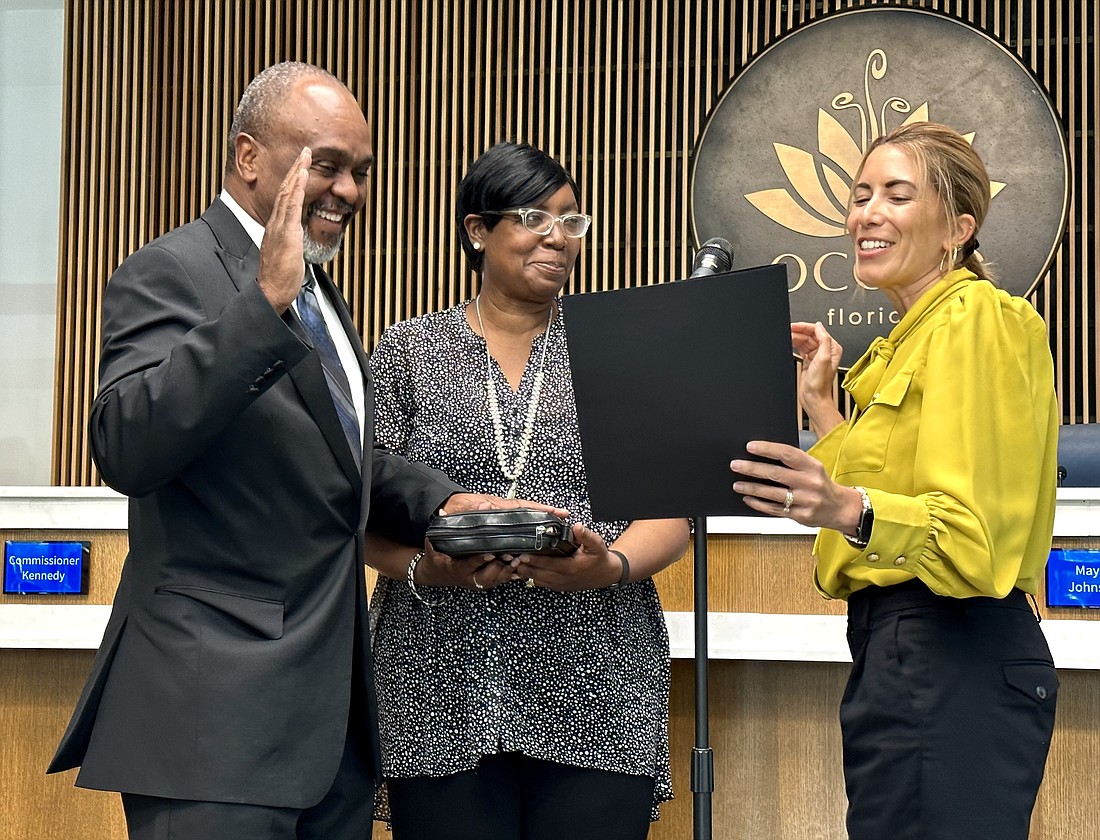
(955, 440)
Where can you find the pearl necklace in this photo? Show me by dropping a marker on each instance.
(514, 473)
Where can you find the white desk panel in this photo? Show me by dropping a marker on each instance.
(733, 636)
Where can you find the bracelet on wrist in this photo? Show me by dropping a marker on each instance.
(625, 577)
(410, 576)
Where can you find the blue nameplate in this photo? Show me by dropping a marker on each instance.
(1073, 577)
(58, 568)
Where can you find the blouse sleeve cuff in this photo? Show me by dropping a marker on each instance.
(900, 534)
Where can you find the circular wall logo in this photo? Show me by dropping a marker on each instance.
(775, 162)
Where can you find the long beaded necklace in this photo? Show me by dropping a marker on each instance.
(514, 473)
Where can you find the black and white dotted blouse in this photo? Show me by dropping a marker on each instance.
(577, 678)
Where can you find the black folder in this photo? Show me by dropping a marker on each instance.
(672, 381)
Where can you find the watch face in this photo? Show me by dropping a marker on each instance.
(866, 521)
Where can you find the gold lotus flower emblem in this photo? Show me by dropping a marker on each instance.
(822, 184)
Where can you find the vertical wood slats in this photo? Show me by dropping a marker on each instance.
(617, 90)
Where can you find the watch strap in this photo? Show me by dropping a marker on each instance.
(866, 521)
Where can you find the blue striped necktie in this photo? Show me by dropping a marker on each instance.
(309, 312)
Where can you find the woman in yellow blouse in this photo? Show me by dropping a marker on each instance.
(936, 504)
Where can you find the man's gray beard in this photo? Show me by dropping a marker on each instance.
(317, 253)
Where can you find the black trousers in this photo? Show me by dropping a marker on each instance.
(510, 796)
(345, 813)
(947, 716)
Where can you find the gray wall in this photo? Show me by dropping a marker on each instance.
(31, 65)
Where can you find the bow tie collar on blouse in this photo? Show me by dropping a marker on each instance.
(864, 376)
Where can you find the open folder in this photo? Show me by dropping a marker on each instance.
(672, 381)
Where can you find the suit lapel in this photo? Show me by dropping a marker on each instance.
(329, 288)
(236, 250)
(345, 320)
(241, 258)
(309, 378)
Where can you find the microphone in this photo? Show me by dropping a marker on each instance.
(715, 257)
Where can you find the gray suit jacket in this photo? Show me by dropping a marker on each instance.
(237, 649)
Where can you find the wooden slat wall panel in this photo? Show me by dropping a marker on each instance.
(617, 90)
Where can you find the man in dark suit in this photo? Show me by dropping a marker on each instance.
(232, 696)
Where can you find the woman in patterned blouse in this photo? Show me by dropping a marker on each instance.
(518, 697)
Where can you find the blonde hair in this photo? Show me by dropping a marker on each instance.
(949, 165)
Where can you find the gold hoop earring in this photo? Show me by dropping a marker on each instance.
(953, 255)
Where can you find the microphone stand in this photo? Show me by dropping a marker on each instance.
(715, 256)
(702, 758)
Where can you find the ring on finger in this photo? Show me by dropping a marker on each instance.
(476, 583)
(788, 501)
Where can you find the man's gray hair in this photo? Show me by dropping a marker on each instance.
(261, 98)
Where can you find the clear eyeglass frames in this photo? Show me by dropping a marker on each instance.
(573, 225)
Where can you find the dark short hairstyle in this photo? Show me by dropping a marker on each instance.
(507, 176)
(260, 100)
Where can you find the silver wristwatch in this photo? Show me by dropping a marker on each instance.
(866, 522)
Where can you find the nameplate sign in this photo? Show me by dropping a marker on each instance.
(1073, 577)
(37, 568)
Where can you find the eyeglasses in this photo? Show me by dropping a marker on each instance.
(573, 225)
